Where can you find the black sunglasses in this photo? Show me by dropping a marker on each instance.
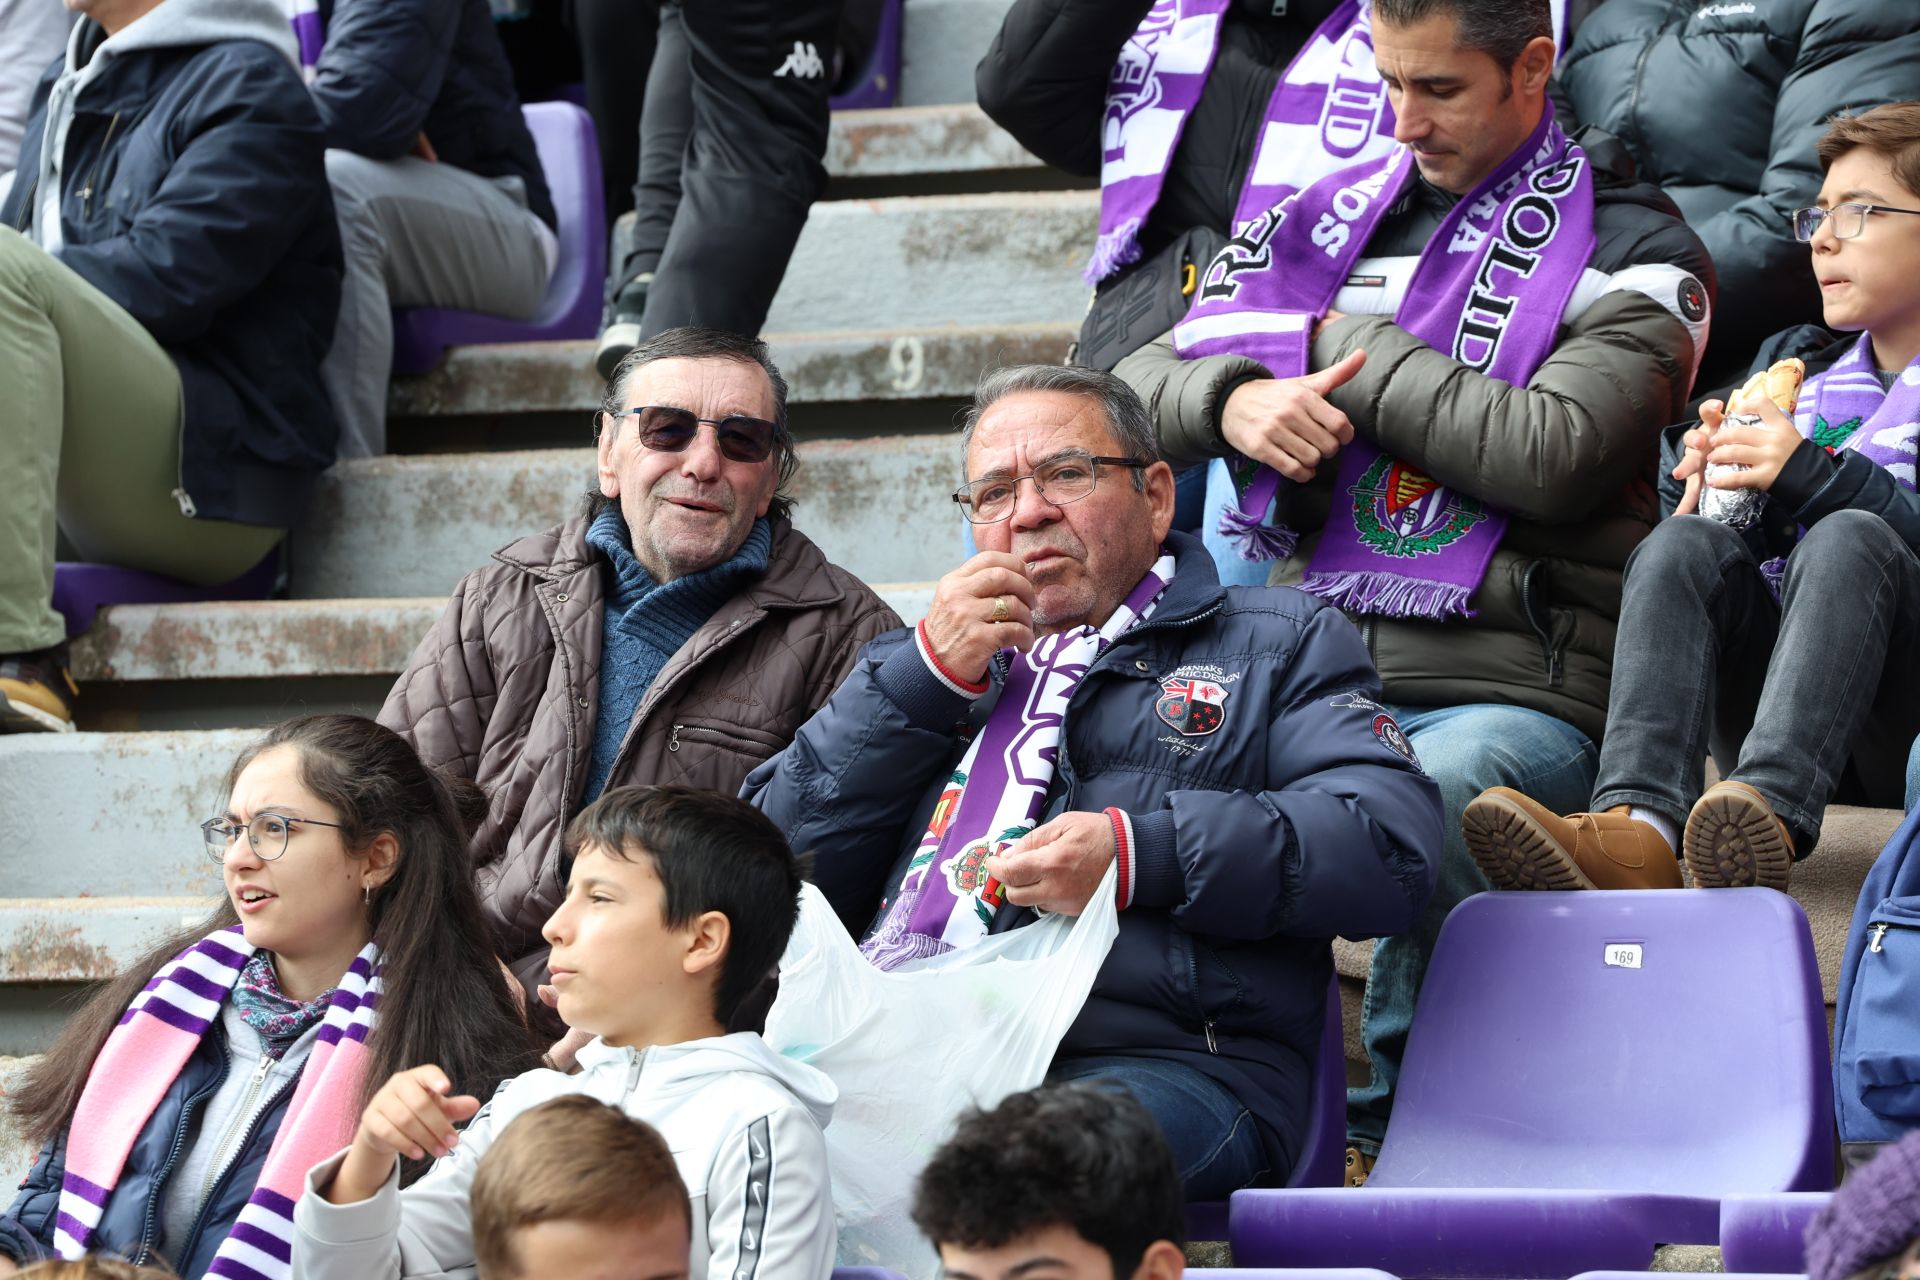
(666, 429)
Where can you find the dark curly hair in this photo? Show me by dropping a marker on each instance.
(1080, 1155)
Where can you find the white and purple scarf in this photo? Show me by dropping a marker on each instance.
(1847, 408)
(947, 899)
(1489, 290)
(304, 15)
(1329, 110)
(143, 1056)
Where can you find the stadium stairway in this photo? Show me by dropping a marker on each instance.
(941, 249)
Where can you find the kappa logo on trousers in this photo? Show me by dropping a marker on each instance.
(803, 63)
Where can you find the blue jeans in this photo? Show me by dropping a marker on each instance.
(1466, 749)
(1215, 1141)
(1234, 571)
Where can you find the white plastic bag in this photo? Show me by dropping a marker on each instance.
(913, 1048)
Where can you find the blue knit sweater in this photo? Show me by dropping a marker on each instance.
(646, 623)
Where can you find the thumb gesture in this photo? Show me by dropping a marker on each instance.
(1323, 382)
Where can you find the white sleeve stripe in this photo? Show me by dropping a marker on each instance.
(753, 1226)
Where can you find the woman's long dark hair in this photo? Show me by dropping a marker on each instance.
(444, 998)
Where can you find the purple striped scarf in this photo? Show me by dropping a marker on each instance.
(1329, 110)
(1847, 408)
(1489, 289)
(143, 1056)
(946, 899)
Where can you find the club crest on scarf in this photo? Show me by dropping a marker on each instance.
(1192, 706)
(1403, 513)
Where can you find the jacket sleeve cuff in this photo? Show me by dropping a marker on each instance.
(339, 1225)
(1154, 867)
(908, 678)
(1809, 469)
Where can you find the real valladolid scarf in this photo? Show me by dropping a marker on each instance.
(946, 899)
(1328, 111)
(143, 1056)
(1847, 408)
(1489, 290)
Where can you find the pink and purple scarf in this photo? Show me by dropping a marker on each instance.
(1328, 111)
(947, 899)
(143, 1056)
(1489, 290)
(1847, 408)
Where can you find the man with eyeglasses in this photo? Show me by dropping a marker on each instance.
(1085, 700)
(1784, 642)
(677, 631)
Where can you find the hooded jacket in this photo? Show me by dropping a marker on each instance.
(506, 690)
(744, 1125)
(1569, 455)
(179, 168)
(1721, 104)
(391, 70)
(1301, 814)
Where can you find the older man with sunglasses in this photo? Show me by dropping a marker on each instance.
(1082, 699)
(677, 631)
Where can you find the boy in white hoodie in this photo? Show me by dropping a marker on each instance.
(679, 904)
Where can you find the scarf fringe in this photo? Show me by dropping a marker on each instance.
(1256, 540)
(1774, 573)
(1389, 595)
(1113, 250)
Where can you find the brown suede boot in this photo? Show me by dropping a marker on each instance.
(1734, 838)
(1521, 844)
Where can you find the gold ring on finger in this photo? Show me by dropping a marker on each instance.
(1000, 613)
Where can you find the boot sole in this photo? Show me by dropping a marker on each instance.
(16, 717)
(1514, 851)
(1732, 841)
(616, 344)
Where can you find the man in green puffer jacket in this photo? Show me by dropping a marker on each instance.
(1519, 688)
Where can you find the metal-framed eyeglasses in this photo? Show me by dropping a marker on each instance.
(267, 833)
(1063, 478)
(1847, 220)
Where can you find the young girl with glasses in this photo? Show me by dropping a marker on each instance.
(183, 1105)
(1782, 641)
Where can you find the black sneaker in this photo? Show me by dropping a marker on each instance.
(37, 692)
(622, 332)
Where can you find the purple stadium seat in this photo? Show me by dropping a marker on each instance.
(563, 133)
(1684, 1275)
(1768, 1233)
(866, 1273)
(80, 590)
(1327, 1273)
(1322, 1160)
(879, 83)
(1588, 1075)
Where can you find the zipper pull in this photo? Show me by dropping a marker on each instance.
(266, 1065)
(1874, 935)
(187, 508)
(1212, 1045)
(673, 739)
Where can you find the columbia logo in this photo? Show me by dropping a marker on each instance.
(804, 62)
(1725, 10)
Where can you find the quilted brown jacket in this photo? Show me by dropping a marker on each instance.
(505, 688)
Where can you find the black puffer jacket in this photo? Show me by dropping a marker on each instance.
(1721, 104)
(195, 196)
(1044, 80)
(394, 69)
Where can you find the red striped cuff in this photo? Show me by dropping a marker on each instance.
(964, 688)
(1122, 857)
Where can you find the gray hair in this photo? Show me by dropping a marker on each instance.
(1125, 413)
(1498, 28)
(692, 342)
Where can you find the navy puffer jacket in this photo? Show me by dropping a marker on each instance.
(195, 196)
(130, 1223)
(1720, 102)
(1300, 816)
(393, 69)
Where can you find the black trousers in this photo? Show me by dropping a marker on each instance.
(732, 135)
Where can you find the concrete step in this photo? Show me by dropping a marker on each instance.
(941, 41)
(412, 526)
(942, 362)
(916, 261)
(75, 939)
(950, 146)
